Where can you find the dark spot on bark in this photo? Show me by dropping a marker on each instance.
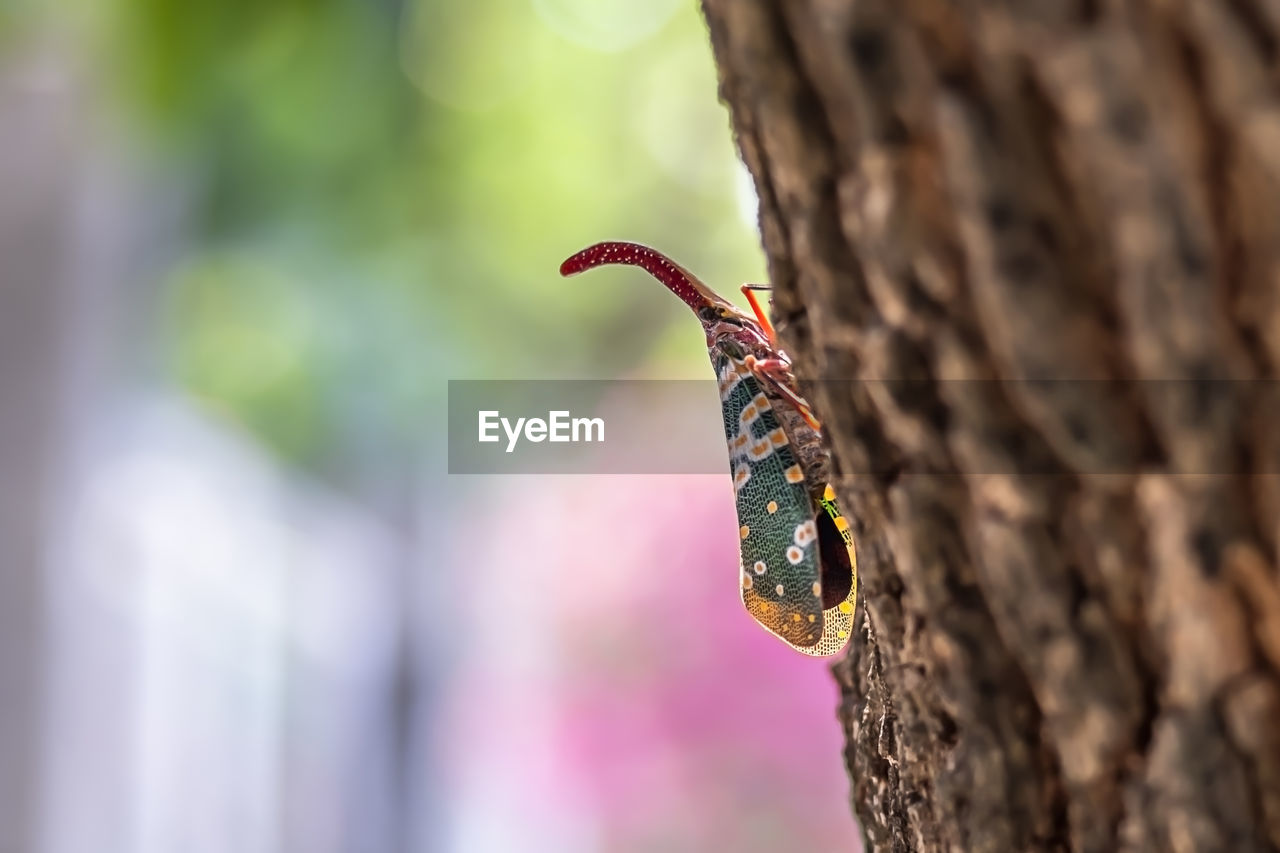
(947, 730)
(1206, 390)
(1207, 550)
(1045, 233)
(895, 133)
(888, 473)
(914, 291)
(1021, 266)
(869, 49)
(1077, 428)
(808, 110)
(966, 596)
(1129, 122)
(1078, 590)
(1190, 254)
(1000, 213)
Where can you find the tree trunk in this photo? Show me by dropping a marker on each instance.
(1044, 236)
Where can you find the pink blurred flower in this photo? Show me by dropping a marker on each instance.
(626, 689)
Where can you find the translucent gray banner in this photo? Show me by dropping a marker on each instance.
(995, 427)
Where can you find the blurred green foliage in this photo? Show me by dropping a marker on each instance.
(384, 191)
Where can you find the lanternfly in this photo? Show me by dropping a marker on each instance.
(799, 574)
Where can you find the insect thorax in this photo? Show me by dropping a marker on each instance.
(804, 441)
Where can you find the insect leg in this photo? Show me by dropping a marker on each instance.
(766, 370)
(749, 291)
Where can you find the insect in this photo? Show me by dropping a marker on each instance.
(799, 572)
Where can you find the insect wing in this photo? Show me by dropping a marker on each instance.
(781, 575)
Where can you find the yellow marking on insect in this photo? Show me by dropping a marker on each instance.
(795, 475)
(830, 493)
(772, 507)
(761, 402)
(744, 531)
(778, 437)
(842, 523)
(795, 617)
(748, 413)
(817, 589)
(747, 582)
(811, 617)
(846, 607)
(741, 440)
(842, 634)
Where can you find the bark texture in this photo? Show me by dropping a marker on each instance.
(1071, 605)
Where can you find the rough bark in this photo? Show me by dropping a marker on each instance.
(1071, 606)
